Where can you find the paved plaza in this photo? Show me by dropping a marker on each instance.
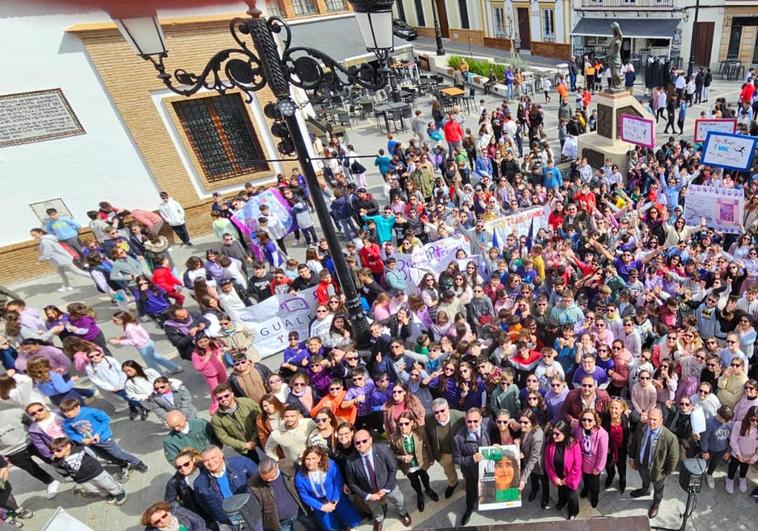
(715, 508)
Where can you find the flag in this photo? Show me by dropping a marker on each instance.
(495, 243)
(530, 235)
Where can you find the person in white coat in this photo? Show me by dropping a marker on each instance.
(173, 213)
(51, 250)
(105, 372)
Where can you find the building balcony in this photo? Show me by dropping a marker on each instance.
(626, 4)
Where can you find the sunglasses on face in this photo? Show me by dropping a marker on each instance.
(405, 423)
(225, 396)
(361, 442)
(180, 466)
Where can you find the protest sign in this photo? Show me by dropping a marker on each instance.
(722, 208)
(431, 258)
(246, 219)
(718, 125)
(519, 223)
(726, 150)
(499, 477)
(274, 318)
(636, 130)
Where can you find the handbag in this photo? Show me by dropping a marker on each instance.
(357, 167)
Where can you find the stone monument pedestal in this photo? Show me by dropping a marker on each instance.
(606, 143)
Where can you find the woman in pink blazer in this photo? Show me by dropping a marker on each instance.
(563, 462)
(208, 360)
(593, 440)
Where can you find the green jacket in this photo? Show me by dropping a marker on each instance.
(199, 437)
(666, 455)
(238, 428)
(457, 421)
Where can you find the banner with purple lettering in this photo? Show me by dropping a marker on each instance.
(274, 318)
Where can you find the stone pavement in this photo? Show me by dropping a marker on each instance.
(714, 509)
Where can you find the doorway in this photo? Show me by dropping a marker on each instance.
(703, 43)
(442, 16)
(524, 32)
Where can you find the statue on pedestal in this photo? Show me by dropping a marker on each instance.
(614, 57)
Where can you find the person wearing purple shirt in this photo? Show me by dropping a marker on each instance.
(82, 324)
(381, 393)
(589, 368)
(554, 399)
(361, 394)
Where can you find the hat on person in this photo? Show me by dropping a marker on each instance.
(225, 282)
(361, 190)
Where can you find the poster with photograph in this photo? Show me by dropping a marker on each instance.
(722, 208)
(499, 476)
(718, 125)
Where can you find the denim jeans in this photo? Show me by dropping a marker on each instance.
(287, 525)
(112, 452)
(155, 360)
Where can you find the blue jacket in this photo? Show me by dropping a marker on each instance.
(553, 177)
(152, 303)
(341, 208)
(64, 228)
(87, 423)
(332, 485)
(239, 471)
(483, 166)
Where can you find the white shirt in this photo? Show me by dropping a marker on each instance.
(172, 212)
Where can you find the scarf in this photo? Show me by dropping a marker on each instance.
(587, 442)
(172, 525)
(182, 327)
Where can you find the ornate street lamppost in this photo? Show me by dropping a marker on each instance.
(256, 62)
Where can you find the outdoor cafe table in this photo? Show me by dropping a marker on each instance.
(453, 92)
(387, 108)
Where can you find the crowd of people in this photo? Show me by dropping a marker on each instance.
(617, 335)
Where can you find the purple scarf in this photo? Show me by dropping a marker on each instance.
(182, 327)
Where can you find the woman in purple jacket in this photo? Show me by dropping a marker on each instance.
(81, 323)
(593, 440)
(32, 348)
(563, 462)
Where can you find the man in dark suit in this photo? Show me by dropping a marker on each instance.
(466, 444)
(372, 475)
(441, 426)
(654, 453)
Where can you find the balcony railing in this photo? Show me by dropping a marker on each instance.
(626, 4)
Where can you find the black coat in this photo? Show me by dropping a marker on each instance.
(605, 422)
(185, 344)
(385, 469)
(177, 491)
(464, 448)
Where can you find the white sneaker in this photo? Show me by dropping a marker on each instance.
(729, 486)
(62, 289)
(69, 288)
(743, 484)
(709, 481)
(52, 489)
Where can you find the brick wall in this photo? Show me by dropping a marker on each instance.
(129, 81)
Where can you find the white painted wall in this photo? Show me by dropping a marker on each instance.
(708, 14)
(102, 164)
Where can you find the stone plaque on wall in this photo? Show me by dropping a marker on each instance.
(37, 116)
(595, 158)
(604, 121)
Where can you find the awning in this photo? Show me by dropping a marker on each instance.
(339, 38)
(630, 27)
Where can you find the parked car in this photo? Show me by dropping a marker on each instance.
(402, 30)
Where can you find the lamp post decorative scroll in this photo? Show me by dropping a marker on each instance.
(251, 68)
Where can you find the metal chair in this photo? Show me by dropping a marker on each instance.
(367, 109)
(395, 116)
(344, 118)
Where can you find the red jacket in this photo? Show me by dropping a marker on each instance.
(164, 278)
(371, 257)
(453, 131)
(324, 290)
